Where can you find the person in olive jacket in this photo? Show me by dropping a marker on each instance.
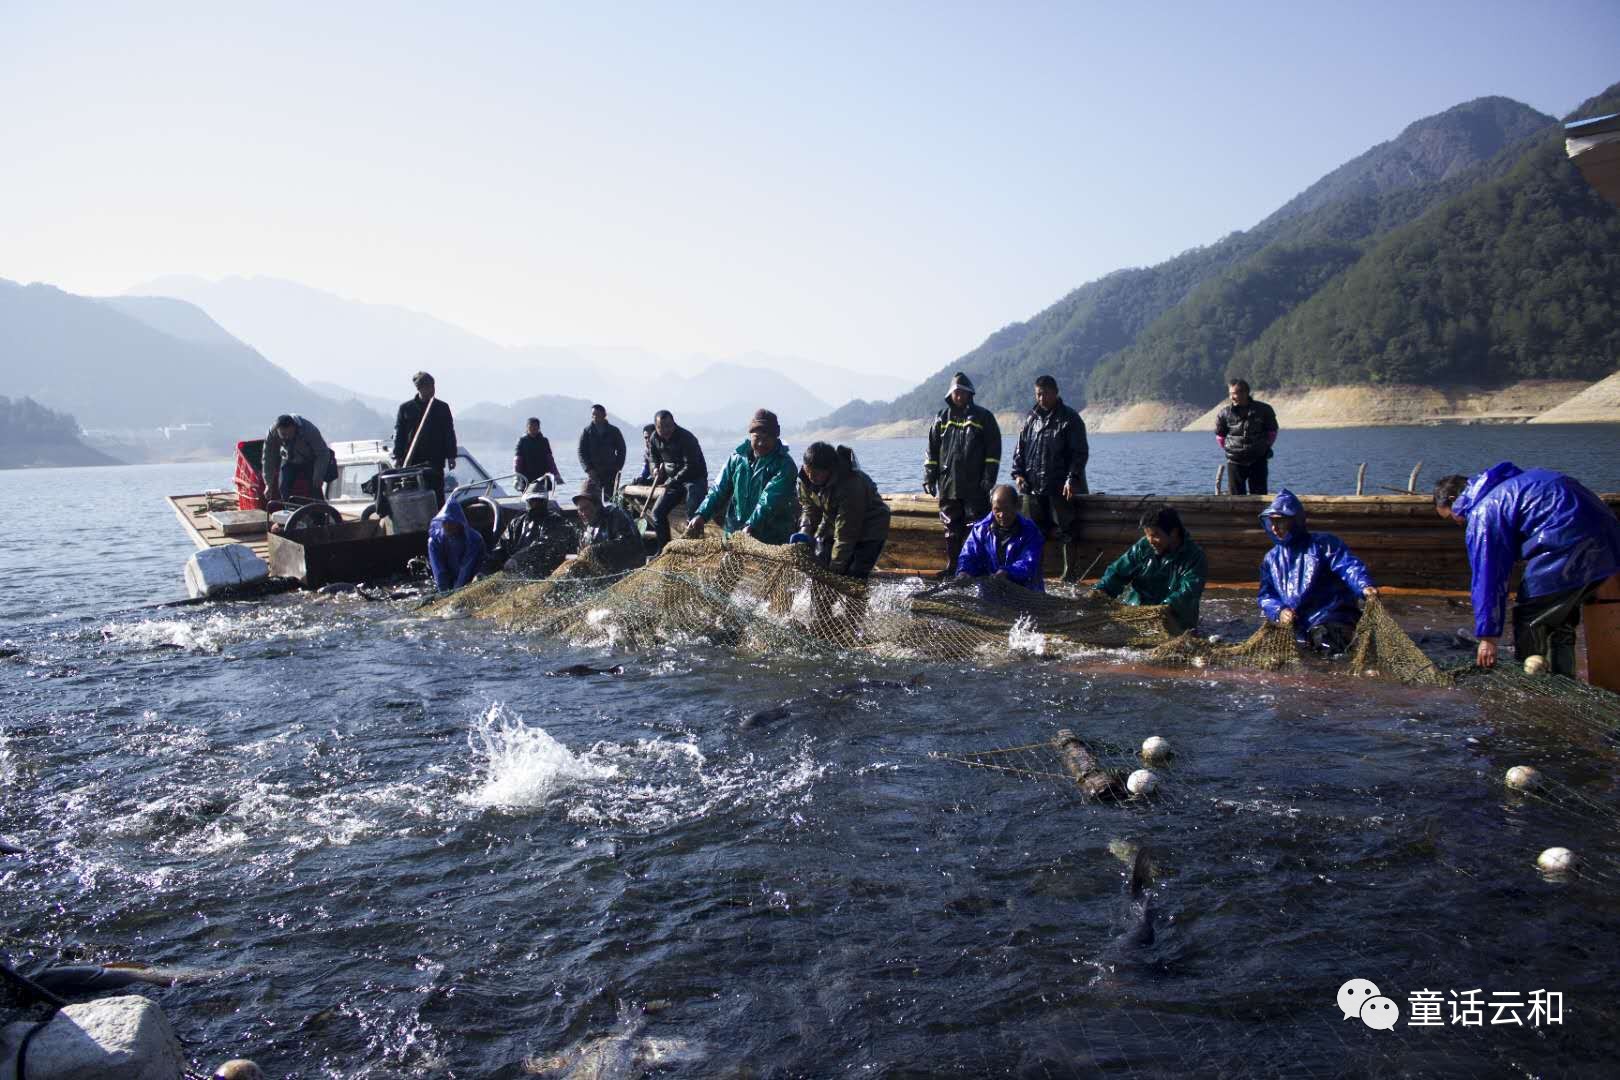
(964, 456)
(841, 512)
(1049, 469)
(1164, 567)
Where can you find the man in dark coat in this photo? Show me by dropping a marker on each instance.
(1049, 468)
(435, 446)
(601, 450)
(532, 458)
(841, 512)
(964, 456)
(606, 533)
(1245, 428)
(677, 464)
(296, 460)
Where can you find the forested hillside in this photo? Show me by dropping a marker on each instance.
(1171, 332)
(32, 435)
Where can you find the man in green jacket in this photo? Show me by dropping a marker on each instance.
(1164, 567)
(756, 490)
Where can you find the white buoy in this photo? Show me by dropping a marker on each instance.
(1142, 782)
(1556, 860)
(1214, 639)
(1523, 777)
(1535, 665)
(1155, 750)
(1198, 661)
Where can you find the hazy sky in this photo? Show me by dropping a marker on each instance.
(877, 185)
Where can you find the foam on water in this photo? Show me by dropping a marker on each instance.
(520, 765)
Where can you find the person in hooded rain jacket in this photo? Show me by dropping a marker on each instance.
(756, 491)
(964, 456)
(542, 536)
(1310, 581)
(843, 515)
(1005, 544)
(1164, 567)
(455, 548)
(1569, 541)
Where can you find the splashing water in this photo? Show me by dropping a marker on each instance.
(521, 765)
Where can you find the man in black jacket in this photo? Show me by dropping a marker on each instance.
(601, 450)
(677, 463)
(532, 458)
(1245, 428)
(426, 421)
(1049, 468)
(536, 543)
(964, 456)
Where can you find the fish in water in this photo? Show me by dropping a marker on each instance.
(74, 979)
(7, 652)
(586, 669)
(861, 686)
(1139, 926)
(766, 716)
(623, 1054)
(336, 588)
(8, 848)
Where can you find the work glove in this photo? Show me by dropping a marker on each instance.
(989, 480)
(800, 538)
(931, 487)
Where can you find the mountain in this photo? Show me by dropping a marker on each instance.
(374, 348)
(1167, 332)
(34, 436)
(153, 373)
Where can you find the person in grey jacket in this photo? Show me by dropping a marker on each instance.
(296, 459)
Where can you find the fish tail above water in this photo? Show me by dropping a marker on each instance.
(1140, 930)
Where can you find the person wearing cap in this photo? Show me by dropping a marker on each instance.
(606, 533)
(678, 464)
(455, 548)
(601, 449)
(542, 535)
(296, 459)
(425, 433)
(842, 513)
(756, 490)
(1568, 539)
(532, 458)
(964, 456)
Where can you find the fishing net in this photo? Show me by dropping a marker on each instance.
(737, 592)
(1379, 649)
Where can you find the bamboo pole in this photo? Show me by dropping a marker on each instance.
(1361, 478)
(1411, 481)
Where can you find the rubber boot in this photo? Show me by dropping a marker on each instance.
(953, 548)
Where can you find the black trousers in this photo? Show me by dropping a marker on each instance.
(1546, 625)
(1058, 518)
(1246, 479)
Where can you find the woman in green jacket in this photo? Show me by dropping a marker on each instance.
(755, 492)
(1164, 567)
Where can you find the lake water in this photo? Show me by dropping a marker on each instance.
(398, 849)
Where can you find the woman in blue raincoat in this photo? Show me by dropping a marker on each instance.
(455, 548)
(1310, 581)
(1569, 541)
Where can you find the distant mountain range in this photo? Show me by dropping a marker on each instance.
(1465, 251)
(373, 348)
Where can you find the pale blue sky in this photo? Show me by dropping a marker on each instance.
(876, 185)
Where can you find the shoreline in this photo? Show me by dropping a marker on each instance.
(1539, 401)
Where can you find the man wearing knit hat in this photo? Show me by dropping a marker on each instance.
(756, 492)
(964, 456)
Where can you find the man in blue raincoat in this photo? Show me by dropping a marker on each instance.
(455, 548)
(1569, 541)
(1005, 544)
(1310, 581)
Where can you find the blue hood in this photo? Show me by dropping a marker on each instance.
(1287, 504)
(451, 511)
(1483, 485)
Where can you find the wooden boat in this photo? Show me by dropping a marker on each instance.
(1401, 539)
